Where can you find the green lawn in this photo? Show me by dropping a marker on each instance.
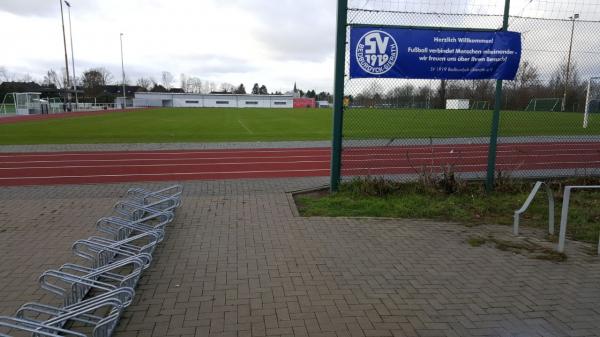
(7, 109)
(174, 125)
(469, 205)
(364, 123)
(226, 124)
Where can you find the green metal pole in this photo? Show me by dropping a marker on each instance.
(491, 170)
(338, 94)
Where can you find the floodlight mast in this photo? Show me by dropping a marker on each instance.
(65, 43)
(72, 55)
(564, 102)
(123, 71)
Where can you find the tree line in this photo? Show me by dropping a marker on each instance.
(527, 85)
(94, 82)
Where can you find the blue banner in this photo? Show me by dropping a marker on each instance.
(433, 54)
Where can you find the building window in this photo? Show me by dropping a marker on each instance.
(251, 102)
(192, 102)
(280, 103)
(222, 102)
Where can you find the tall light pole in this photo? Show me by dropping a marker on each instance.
(72, 55)
(564, 101)
(123, 71)
(65, 42)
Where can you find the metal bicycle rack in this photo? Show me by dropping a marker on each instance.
(527, 203)
(115, 265)
(565, 215)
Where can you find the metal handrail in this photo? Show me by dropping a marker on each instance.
(527, 203)
(565, 214)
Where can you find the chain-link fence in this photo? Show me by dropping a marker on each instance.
(401, 128)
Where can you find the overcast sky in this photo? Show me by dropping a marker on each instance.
(272, 42)
(275, 43)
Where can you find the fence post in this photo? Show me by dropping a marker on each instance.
(338, 94)
(491, 169)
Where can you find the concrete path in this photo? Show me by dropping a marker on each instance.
(237, 261)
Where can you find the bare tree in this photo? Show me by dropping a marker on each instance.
(210, 87)
(227, 87)
(4, 75)
(166, 79)
(144, 82)
(525, 86)
(195, 85)
(126, 82)
(558, 79)
(107, 77)
(527, 76)
(94, 80)
(53, 78)
(26, 78)
(184, 82)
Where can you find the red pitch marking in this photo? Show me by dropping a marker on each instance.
(28, 118)
(112, 167)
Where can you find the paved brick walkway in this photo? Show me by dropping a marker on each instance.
(237, 262)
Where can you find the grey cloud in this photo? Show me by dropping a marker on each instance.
(294, 30)
(221, 68)
(209, 64)
(41, 8)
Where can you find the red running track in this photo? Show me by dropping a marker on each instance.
(111, 167)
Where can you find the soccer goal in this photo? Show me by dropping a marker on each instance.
(56, 105)
(23, 103)
(543, 104)
(592, 99)
(8, 105)
(480, 105)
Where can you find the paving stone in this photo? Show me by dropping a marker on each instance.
(238, 262)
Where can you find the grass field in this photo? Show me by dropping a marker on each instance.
(470, 205)
(7, 109)
(223, 124)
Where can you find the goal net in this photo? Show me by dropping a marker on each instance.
(480, 105)
(543, 104)
(592, 99)
(22, 103)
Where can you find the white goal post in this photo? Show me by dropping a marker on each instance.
(592, 99)
(543, 104)
(24, 103)
(480, 105)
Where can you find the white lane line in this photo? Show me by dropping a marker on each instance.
(326, 160)
(245, 127)
(482, 165)
(254, 171)
(347, 154)
(154, 159)
(402, 149)
(162, 174)
(163, 165)
(158, 152)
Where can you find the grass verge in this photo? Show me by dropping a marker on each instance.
(465, 203)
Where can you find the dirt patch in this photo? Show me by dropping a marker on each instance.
(522, 246)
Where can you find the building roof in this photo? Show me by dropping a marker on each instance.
(211, 94)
